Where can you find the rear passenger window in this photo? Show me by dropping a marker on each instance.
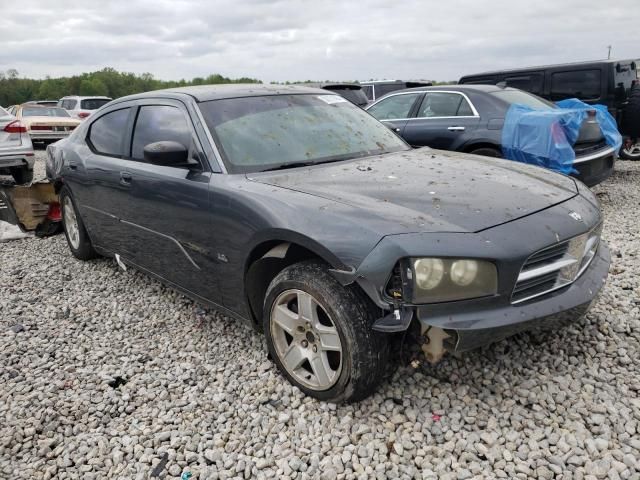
(440, 104)
(107, 133)
(159, 123)
(529, 83)
(582, 84)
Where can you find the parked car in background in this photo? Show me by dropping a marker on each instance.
(46, 124)
(351, 91)
(605, 82)
(375, 89)
(469, 118)
(82, 107)
(44, 103)
(296, 212)
(16, 150)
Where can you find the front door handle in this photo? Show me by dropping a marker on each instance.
(456, 129)
(125, 179)
(73, 166)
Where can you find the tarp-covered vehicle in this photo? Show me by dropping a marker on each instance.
(560, 139)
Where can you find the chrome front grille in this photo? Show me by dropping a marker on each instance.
(555, 267)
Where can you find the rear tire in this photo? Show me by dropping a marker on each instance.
(487, 152)
(22, 175)
(631, 152)
(319, 334)
(74, 230)
(631, 125)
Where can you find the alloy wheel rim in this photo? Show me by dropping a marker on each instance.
(306, 340)
(633, 150)
(71, 223)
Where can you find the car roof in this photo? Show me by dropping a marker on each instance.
(330, 85)
(454, 88)
(544, 67)
(86, 96)
(205, 93)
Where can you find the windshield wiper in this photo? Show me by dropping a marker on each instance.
(320, 161)
(284, 166)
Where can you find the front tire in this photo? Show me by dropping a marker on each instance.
(319, 334)
(74, 230)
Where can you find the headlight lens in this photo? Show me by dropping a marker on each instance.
(447, 279)
(463, 272)
(429, 272)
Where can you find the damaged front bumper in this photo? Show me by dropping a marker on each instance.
(467, 324)
(490, 323)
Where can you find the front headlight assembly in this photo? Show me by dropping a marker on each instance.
(433, 279)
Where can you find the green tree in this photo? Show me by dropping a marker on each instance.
(108, 81)
(93, 86)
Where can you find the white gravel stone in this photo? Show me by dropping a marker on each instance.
(105, 372)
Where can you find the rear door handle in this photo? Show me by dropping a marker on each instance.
(456, 129)
(125, 179)
(73, 166)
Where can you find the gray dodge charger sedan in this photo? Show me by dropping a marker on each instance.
(296, 212)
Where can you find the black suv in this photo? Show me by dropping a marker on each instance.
(606, 82)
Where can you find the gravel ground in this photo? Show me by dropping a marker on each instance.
(107, 374)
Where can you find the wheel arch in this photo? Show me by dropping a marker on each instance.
(270, 256)
(475, 144)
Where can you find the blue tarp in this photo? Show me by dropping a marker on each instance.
(546, 137)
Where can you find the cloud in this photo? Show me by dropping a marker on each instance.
(295, 40)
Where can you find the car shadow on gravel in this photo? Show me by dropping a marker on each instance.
(517, 358)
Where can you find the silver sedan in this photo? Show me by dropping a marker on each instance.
(16, 149)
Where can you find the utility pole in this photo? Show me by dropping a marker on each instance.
(609, 55)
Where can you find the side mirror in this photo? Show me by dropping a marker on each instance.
(167, 153)
(394, 128)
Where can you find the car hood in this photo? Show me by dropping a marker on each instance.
(427, 190)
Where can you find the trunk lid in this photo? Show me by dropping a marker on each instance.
(50, 123)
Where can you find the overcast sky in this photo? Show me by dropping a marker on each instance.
(320, 40)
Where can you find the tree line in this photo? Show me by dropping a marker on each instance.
(108, 82)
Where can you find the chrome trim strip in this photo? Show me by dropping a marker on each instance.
(588, 254)
(591, 253)
(557, 287)
(593, 156)
(473, 108)
(538, 272)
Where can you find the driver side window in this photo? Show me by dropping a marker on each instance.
(158, 123)
(394, 107)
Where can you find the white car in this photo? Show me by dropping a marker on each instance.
(16, 150)
(82, 107)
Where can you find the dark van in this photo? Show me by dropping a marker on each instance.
(606, 82)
